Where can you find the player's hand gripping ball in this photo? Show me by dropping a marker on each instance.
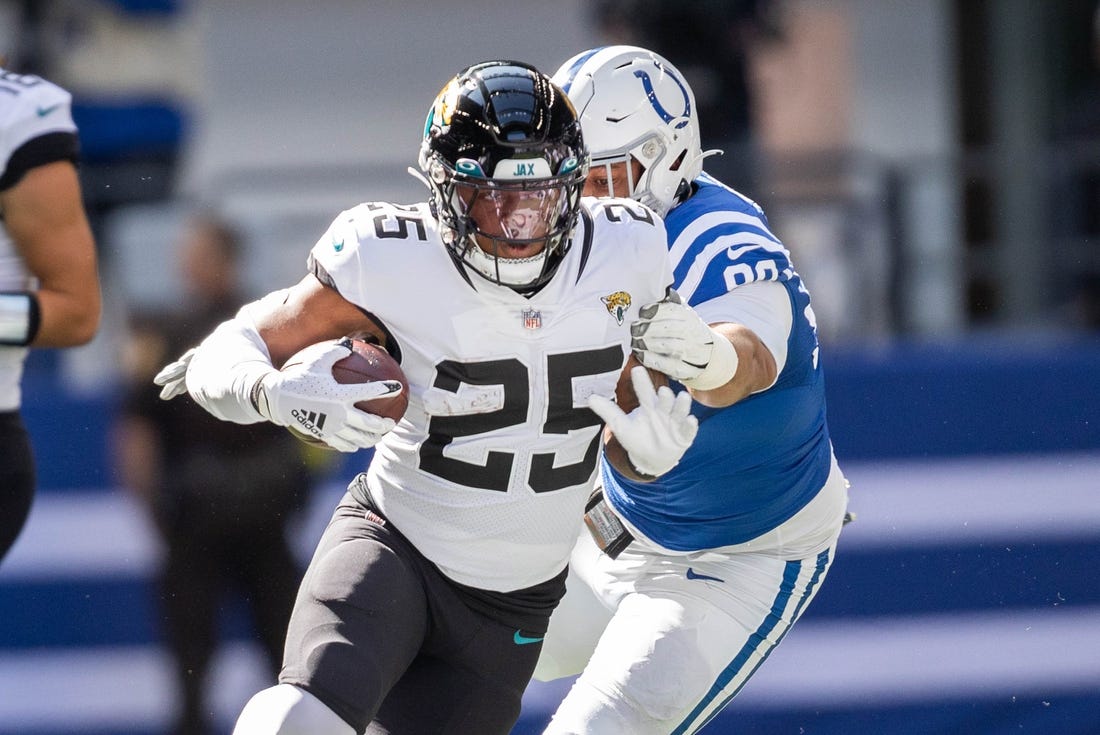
(369, 362)
(368, 394)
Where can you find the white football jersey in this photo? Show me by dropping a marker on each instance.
(30, 108)
(488, 472)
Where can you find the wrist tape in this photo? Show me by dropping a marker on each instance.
(19, 318)
(721, 368)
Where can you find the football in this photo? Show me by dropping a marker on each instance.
(624, 391)
(614, 452)
(368, 362)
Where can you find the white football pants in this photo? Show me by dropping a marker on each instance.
(666, 639)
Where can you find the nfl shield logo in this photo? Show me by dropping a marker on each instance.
(532, 319)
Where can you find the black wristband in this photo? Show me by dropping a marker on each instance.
(20, 318)
(254, 395)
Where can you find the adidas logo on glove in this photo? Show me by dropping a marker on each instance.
(311, 421)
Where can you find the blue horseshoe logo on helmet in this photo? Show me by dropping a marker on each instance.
(647, 84)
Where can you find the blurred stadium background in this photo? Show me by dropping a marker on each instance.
(933, 165)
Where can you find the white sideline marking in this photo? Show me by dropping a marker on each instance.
(934, 657)
(873, 662)
(903, 502)
(115, 688)
(78, 534)
(961, 502)
(878, 662)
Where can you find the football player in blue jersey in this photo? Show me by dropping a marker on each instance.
(687, 582)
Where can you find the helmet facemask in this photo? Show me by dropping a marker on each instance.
(507, 217)
(505, 161)
(652, 155)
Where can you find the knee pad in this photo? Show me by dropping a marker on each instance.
(288, 710)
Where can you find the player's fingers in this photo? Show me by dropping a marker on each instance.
(171, 390)
(661, 363)
(319, 357)
(682, 405)
(684, 425)
(340, 444)
(666, 399)
(673, 346)
(353, 440)
(648, 311)
(328, 354)
(686, 429)
(174, 370)
(666, 329)
(169, 373)
(643, 386)
(607, 410)
(368, 422)
(372, 390)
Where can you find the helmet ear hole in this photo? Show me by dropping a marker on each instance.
(651, 149)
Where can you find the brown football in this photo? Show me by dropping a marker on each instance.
(624, 391)
(368, 362)
(613, 452)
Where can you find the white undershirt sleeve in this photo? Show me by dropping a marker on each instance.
(225, 368)
(762, 306)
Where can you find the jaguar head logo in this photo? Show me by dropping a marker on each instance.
(617, 305)
(442, 109)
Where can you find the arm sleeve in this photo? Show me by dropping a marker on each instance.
(227, 365)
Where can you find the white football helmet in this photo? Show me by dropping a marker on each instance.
(633, 103)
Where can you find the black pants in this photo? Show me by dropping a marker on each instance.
(16, 478)
(393, 646)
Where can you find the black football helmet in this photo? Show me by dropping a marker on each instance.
(502, 143)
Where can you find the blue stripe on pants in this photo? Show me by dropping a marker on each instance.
(775, 616)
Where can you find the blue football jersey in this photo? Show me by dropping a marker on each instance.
(756, 463)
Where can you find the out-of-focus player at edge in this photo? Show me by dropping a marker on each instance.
(49, 282)
(715, 560)
(509, 301)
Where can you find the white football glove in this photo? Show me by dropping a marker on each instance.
(304, 396)
(671, 338)
(173, 377)
(656, 434)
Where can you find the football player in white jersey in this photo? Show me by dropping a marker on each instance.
(49, 285)
(508, 300)
(724, 552)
